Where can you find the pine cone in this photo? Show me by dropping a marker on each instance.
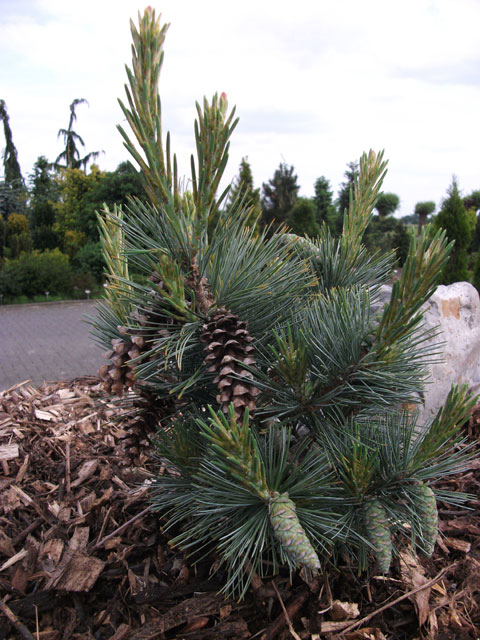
(120, 374)
(290, 533)
(228, 351)
(150, 411)
(378, 533)
(428, 517)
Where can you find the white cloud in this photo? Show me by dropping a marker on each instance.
(315, 83)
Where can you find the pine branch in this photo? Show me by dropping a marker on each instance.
(213, 130)
(113, 248)
(236, 451)
(362, 202)
(440, 437)
(143, 113)
(420, 275)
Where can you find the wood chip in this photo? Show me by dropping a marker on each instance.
(8, 451)
(44, 415)
(11, 561)
(87, 470)
(458, 544)
(80, 574)
(344, 610)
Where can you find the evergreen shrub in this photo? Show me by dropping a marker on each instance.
(34, 273)
(283, 404)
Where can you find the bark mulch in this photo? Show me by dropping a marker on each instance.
(83, 556)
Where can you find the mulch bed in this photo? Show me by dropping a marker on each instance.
(82, 556)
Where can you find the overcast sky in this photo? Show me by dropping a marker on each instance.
(315, 83)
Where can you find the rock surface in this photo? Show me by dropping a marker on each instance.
(455, 309)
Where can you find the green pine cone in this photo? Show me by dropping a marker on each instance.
(428, 517)
(378, 533)
(290, 533)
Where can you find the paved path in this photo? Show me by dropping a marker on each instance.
(47, 342)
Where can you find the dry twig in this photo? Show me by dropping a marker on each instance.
(428, 584)
(289, 612)
(15, 622)
(287, 617)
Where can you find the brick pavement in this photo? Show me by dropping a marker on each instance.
(47, 342)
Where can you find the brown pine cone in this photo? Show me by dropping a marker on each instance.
(228, 351)
(120, 374)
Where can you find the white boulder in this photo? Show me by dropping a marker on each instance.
(455, 310)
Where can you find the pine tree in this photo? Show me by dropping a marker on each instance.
(301, 219)
(453, 219)
(279, 394)
(243, 190)
(345, 193)
(279, 196)
(346, 187)
(324, 208)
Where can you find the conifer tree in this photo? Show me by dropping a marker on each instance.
(301, 219)
(243, 190)
(44, 191)
(344, 194)
(453, 219)
(279, 196)
(278, 394)
(10, 159)
(346, 187)
(13, 194)
(323, 199)
(70, 156)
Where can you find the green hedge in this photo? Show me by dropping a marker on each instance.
(34, 273)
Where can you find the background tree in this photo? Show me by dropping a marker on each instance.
(44, 193)
(243, 187)
(18, 236)
(70, 224)
(302, 218)
(453, 218)
(410, 219)
(279, 195)
(10, 160)
(423, 210)
(343, 197)
(110, 188)
(70, 156)
(3, 239)
(387, 204)
(472, 202)
(12, 199)
(387, 234)
(476, 273)
(323, 200)
(14, 194)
